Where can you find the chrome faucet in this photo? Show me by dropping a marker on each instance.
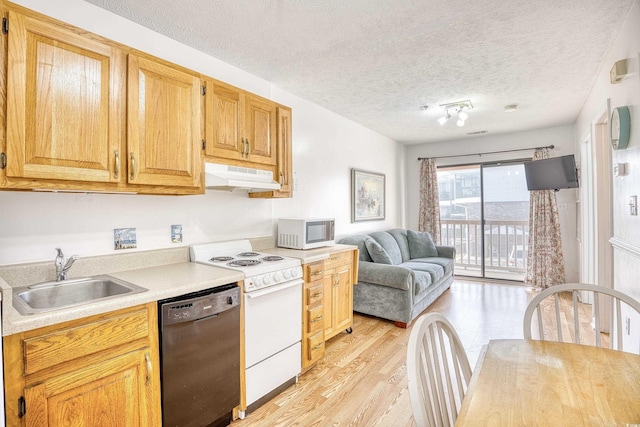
(62, 265)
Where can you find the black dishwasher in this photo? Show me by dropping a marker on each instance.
(200, 357)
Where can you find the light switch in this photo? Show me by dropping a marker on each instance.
(633, 205)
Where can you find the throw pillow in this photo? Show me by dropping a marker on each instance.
(421, 244)
(377, 252)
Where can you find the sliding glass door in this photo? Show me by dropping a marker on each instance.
(505, 209)
(485, 213)
(460, 192)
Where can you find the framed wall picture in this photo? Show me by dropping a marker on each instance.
(367, 196)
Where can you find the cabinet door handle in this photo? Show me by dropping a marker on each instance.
(281, 178)
(316, 273)
(133, 167)
(317, 294)
(243, 147)
(319, 346)
(147, 358)
(116, 173)
(248, 148)
(316, 319)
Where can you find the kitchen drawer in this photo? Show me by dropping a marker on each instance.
(339, 258)
(313, 294)
(77, 339)
(313, 271)
(315, 346)
(315, 322)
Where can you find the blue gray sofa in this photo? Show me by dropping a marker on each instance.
(400, 273)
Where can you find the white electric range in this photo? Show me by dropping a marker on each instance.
(272, 297)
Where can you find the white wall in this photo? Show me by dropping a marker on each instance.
(562, 137)
(626, 228)
(326, 146)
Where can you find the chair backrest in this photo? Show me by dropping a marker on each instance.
(438, 371)
(556, 312)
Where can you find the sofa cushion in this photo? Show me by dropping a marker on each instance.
(421, 283)
(446, 263)
(434, 270)
(392, 276)
(421, 244)
(389, 244)
(377, 252)
(400, 234)
(357, 240)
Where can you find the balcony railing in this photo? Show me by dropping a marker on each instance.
(505, 244)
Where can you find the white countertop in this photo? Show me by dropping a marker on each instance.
(310, 255)
(162, 282)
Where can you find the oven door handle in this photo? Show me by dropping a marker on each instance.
(272, 289)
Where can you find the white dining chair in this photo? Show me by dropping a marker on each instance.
(438, 371)
(566, 318)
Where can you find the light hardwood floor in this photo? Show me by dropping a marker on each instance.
(362, 381)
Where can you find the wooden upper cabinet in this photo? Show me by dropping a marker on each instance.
(284, 167)
(65, 103)
(285, 148)
(260, 130)
(240, 127)
(164, 136)
(223, 113)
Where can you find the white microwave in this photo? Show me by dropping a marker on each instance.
(300, 233)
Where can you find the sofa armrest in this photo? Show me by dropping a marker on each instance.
(392, 276)
(446, 251)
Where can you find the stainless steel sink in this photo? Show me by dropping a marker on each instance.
(47, 296)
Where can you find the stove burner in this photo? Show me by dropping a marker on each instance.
(244, 263)
(245, 254)
(272, 258)
(221, 258)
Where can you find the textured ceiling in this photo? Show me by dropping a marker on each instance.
(377, 61)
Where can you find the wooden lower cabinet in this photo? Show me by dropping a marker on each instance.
(98, 371)
(327, 302)
(110, 393)
(338, 292)
(313, 315)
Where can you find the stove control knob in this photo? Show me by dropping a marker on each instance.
(277, 276)
(266, 279)
(287, 274)
(257, 281)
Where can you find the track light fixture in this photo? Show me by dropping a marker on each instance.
(459, 108)
(442, 120)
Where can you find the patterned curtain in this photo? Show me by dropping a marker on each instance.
(429, 219)
(545, 261)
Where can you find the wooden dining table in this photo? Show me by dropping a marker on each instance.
(546, 383)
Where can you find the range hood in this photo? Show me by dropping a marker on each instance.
(238, 178)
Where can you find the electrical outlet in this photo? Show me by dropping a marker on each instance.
(176, 233)
(633, 205)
